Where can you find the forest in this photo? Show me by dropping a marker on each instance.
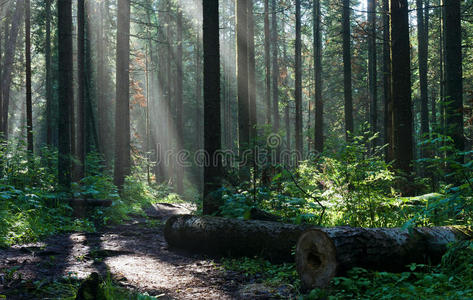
(236, 149)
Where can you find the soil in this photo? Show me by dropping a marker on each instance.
(134, 255)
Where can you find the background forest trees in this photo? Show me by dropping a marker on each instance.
(316, 73)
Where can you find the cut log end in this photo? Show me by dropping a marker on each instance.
(316, 260)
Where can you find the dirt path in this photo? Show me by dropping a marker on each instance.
(135, 254)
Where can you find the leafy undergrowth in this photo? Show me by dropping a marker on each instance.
(451, 279)
(67, 288)
(32, 205)
(354, 186)
(262, 271)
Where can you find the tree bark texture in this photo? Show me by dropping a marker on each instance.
(212, 127)
(324, 253)
(275, 65)
(372, 71)
(122, 112)
(179, 100)
(29, 105)
(65, 88)
(387, 87)
(298, 82)
(7, 68)
(422, 40)
(49, 87)
(81, 99)
(220, 236)
(453, 73)
(401, 86)
(242, 76)
(267, 62)
(319, 105)
(349, 127)
(389, 249)
(252, 73)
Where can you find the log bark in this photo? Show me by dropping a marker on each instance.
(323, 253)
(217, 236)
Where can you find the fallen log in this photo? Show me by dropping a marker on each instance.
(323, 253)
(217, 236)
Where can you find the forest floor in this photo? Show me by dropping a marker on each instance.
(134, 255)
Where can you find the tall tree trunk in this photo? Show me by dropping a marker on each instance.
(252, 72)
(212, 129)
(242, 78)
(274, 38)
(319, 105)
(387, 88)
(198, 111)
(267, 62)
(29, 106)
(453, 73)
(64, 8)
(8, 59)
(169, 89)
(49, 87)
(81, 105)
(101, 88)
(179, 131)
(298, 82)
(4, 37)
(122, 113)
(91, 137)
(372, 71)
(347, 69)
(287, 117)
(401, 86)
(422, 39)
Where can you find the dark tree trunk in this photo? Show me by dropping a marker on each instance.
(64, 8)
(267, 62)
(4, 37)
(252, 73)
(274, 38)
(168, 111)
(387, 87)
(441, 46)
(212, 134)
(372, 71)
(453, 73)
(401, 86)
(179, 125)
(29, 106)
(101, 89)
(422, 39)
(287, 117)
(8, 59)
(91, 137)
(323, 253)
(347, 69)
(242, 78)
(319, 104)
(298, 82)
(49, 90)
(199, 104)
(81, 99)
(122, 112)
